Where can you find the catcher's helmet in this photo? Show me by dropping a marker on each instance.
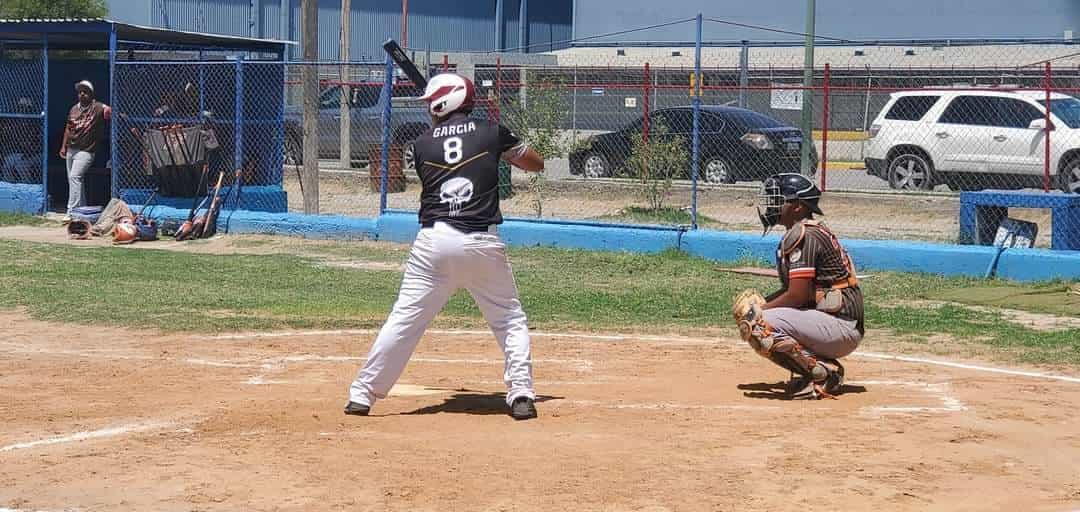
(124, 233)
(780, 188)
(448, 93)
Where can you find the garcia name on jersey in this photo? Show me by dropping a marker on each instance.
(458, 164)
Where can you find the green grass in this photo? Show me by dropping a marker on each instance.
(21, 219)
(561, 289)
(667, 215)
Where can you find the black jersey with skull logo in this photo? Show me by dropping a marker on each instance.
(458, 164)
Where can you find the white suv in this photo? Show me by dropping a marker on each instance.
(973, 139)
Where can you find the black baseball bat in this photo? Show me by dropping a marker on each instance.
(405, 63)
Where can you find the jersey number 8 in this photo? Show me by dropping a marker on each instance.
(452, 150)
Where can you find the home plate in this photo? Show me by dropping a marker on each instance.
(414, 390)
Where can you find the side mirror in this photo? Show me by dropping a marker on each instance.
(1039, 124)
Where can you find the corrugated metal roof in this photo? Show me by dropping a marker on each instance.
(127, 31)
(51, 20)
(435, 24)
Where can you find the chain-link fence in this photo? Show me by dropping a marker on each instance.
(896, 132)
(351, 126)
(638, 134)
(22, 117)
(183, 126)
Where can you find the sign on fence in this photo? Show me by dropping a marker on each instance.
(786, 99)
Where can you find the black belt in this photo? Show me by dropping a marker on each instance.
(431, 224)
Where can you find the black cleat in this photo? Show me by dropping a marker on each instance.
(356, 409)
(797, 386)
(834, 383)
(523, 408)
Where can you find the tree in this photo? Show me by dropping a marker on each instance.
(655, 162)
(535, 117)
(14, 9)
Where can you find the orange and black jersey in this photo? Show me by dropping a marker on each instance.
(810, 251)
(458, 164)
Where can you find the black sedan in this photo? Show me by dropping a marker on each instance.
(736, 144)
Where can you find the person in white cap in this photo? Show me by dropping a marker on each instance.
(84, 133)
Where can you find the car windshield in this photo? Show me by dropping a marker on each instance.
(1066, 109)
(754, 120)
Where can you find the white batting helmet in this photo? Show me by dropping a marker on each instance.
(447, 93)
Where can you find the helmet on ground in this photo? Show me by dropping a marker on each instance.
(448, 93)
(780, 188)
(124, 233)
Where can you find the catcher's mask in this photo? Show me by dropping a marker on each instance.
(781, 188)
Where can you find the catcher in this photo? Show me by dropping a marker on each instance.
(816, 317)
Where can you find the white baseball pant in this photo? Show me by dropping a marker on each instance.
(442, 261)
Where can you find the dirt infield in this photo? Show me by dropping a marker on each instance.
(109, 419)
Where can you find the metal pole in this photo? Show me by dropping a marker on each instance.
(744, 72)
(252, 32)
(807, 124)
(388, 89)
(202, 83)
(645, 109)
(523, 26)
(498, 89)
(573, 20)
(825, 128)
(45, 124)
(286, 15)
(345, 127)
(114, 163)
(310, 78)
(405, 23)
(656, 90)
(866, 104)
(498, 25)
(573, 107)
(238, 115)
(696, 152)
(1046, 139)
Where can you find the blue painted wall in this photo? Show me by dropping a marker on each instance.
(462, 25)
(859, 19)
(872, 255)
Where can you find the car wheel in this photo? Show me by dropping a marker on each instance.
(910, 171)
(1069, 178)
(408, 156)
(595, 166)
(294, 150)
(718, 171)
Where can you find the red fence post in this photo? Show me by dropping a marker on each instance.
(1046, 132)
(645, 105)
(824, 129)
(445, 63)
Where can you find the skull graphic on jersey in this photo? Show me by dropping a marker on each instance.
(456, 192)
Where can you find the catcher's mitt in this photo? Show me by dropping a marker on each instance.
(78, 230)
(749, 316)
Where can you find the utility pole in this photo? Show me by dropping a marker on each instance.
(345, 132)
(310, 79)
(807, 125)
(404, 23)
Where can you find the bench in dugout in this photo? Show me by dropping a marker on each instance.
(981, 213)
